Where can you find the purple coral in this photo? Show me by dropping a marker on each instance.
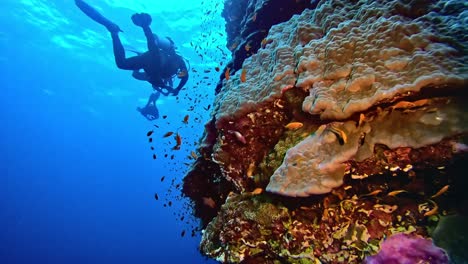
(407, 249)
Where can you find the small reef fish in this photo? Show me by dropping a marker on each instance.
(154, 156)
(250, 169)
(395, 193)
(149, 133)
(294, 125)
(156, 196)
(178, 142)
(150, 140)
(265, 42)
(340, 135)
(247, 46)
(217, 69)
(168, 134)
(287, 87)
(162, 178)
(433, 211)
(373, 193)
(441, 191)
(238, 136)
(186, 118)
(257, 191)
(243, 75)
(182, 74)
(182, 234)
(233, 46)
(194, 155)
(208, 201)
(227, 74)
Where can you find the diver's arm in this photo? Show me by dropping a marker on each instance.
(144, 20)
(137, 74)
(184, 78)
(150, 38)
(182, 82)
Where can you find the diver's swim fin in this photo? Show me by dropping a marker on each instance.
(96, 16)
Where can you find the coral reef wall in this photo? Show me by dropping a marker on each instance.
(336, 124)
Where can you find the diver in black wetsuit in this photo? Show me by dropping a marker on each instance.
(159, 64)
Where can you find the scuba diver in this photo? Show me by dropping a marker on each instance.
(158, 65)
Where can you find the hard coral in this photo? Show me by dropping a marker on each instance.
(408, 249)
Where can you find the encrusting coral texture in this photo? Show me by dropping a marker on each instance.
(345, 125)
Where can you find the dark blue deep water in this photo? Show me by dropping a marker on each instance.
(77, 175)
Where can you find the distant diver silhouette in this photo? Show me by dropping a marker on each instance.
(158, 66)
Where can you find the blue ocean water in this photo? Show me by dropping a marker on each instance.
(77, 174)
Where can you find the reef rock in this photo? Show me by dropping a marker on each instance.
(333, 103)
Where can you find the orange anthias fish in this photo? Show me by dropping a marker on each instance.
(247, 46)
(265, 42)
(243, 75)
(294, 125)
(233, 46)
(227, 74)
(186, 118)
(178, 142)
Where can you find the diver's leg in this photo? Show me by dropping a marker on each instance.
(153, 98)
(132, 63)
(96, 16)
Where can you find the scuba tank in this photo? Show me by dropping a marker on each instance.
(165, 44)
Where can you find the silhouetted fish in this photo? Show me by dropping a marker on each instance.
(149, 133)
(168, 134)
(154, 156)
(156, 196)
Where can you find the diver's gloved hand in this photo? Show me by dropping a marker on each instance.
(142, 19)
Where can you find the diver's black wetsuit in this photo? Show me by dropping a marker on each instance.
(149, 61)
(150, 111)
(156, 71)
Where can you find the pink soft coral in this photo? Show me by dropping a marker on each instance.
(407, 249)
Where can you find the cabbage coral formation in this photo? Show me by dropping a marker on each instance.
(350, 57)
(373, 53)
(317, 164)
